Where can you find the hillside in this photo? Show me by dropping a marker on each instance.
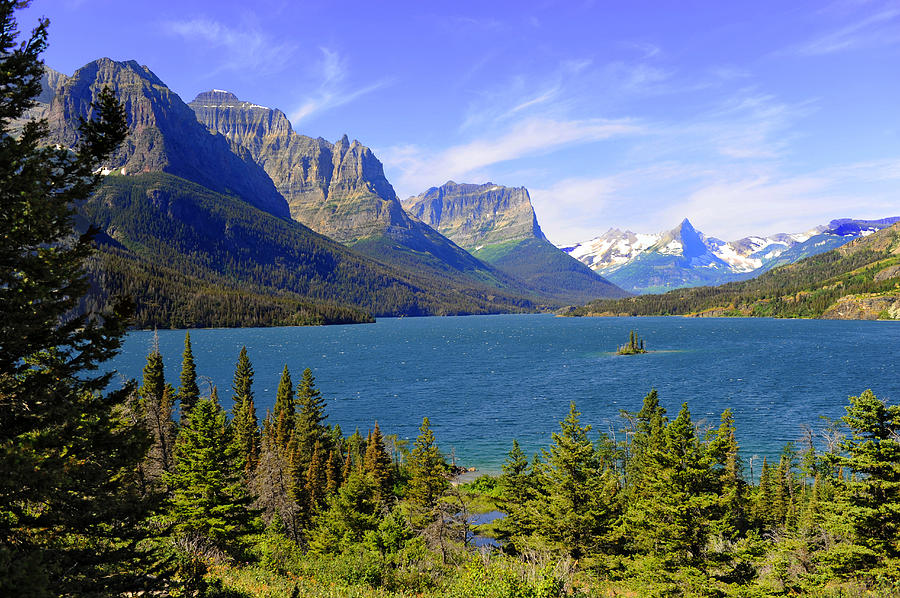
(191, 256)
(859, 280)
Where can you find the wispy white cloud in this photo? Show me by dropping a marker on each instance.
(418, 167)
(332, 90)
(244, 48)
(877, 29)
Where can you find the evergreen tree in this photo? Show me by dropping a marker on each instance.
(70, 510)
(674, 512)
(377, 465)
(157, 402)
(283, 414)
(210, 504)
(316, 481)
(274, 484)
(188, 392)
(244, 423)
(427, 471)
(871, 497)
(763, 508)
(724, 451)
(310, 425)
(516, 485)
(578, 491)
(351, 513)
(650, 423)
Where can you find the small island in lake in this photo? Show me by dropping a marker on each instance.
(635, 346)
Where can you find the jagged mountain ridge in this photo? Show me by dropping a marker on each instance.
(498, 224)
(858, 280)
(340, 191)
(336, 189)
(164, 135)
(685, 257)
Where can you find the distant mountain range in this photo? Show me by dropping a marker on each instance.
(858, 280)
(685, 257)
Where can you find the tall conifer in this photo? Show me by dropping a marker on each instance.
(283, 413)
(377, 464)
(427, 470)
(70, 515)
(244, 422)
(188, 392)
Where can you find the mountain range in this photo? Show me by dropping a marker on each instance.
(219, 214)
(685, 257)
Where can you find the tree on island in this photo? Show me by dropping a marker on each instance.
(635, 346)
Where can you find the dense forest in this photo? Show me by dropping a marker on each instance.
(805, 289)
(293, 506)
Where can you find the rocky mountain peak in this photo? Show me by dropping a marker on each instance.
(338, 189)
(164, 135)
(216, 97)
(474, 216)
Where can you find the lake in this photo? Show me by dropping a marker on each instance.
(484, 380)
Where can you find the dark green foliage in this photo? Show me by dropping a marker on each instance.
(156, 405)
(351, 513)
(244, 423)
(71, 510)
(635, 346)
(377, 465)
(283, 412)
(188, 392)
(427, 473)
(576, 502)
(870, 459)
(210, 502)
(309, 427)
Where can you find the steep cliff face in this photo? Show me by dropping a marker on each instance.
(164, 135)
(475, 216)
(336, 189)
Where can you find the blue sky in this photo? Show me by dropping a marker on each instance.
(746, 117)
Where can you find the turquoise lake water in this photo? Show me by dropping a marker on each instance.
(484, 380)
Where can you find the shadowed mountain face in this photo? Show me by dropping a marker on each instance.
(164, 136)
(498, 225)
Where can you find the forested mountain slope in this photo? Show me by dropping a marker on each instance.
(192, 257)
